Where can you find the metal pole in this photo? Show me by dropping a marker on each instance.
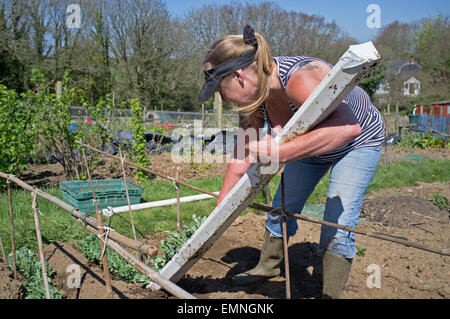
(285, 240)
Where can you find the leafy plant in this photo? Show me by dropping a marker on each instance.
(440, 201)
(361, 251)
(175, 241)
(16, 131)
(422, 141)
(95, 132)
(139, 144)
(90, 247)
(30, 266)
(53, 119)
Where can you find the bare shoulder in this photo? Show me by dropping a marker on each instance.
(254, 122)
(305, 80)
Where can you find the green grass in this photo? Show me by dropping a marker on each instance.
(395, 175)
(55, 221)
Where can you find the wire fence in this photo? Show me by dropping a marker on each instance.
(119, 119)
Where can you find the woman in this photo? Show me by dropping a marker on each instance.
(348, 143)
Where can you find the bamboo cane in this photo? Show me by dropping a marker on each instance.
(3, 250)
(126, 191)
(285, 240)
(440, 251)
(11, 223)
(39, 240)
(91, 225)
(101, 233)
(177, 186)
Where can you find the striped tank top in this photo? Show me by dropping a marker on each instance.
(368, 116)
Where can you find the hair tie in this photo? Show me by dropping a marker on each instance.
(249, 35)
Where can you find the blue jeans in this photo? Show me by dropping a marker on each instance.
(349, 178)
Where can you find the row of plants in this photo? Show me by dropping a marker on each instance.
(90, 247)
(423, 141)
(30, 266)
(440, 201)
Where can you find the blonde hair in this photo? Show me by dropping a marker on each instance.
(233, 46)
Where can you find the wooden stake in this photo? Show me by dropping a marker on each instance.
(267, 193)
(285, 240)
(11, 222)
(39, 240)
(101, 233)
(3, 250)
(177, 186)
(203, 115)
(128, 196)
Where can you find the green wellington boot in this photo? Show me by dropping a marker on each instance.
(335, 270)
(267, 268)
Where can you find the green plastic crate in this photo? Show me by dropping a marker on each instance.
(108, 192)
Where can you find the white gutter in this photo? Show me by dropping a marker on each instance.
(166, 202)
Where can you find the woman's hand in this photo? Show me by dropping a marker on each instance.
(266, 150)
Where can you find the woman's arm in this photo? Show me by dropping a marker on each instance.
(238, 165)
(336, 131)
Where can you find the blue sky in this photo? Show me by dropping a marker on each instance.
(350, 15)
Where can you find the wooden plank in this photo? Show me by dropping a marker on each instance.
(328, 95)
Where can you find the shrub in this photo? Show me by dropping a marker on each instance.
(16, 131)
(423, 141)
(139, 144)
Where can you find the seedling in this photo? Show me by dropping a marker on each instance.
(361, 251)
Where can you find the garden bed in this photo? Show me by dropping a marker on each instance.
(406, 272)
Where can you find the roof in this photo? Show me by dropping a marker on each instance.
(403, 66)
(435, 103)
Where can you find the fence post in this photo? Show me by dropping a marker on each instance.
(58, 89)
(203, 115)
(11, 222)
(218, 109)
(40, 245)
(397, 129)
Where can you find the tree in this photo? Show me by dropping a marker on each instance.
(396, 41)
(433, 53)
